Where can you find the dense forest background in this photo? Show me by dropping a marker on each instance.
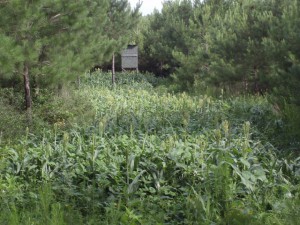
(207, 132)
(240, 46)
(234, 46)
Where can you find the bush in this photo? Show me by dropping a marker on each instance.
(65, 109)
(12, 121)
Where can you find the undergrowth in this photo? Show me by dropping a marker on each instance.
(136, 154)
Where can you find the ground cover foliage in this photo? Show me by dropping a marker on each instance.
(137, 154)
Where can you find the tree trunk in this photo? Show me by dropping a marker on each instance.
(256, 85)
(245, 84)
(28, 102)
(113, 78)
(78, 82)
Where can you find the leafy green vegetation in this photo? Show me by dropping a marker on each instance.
(146, 156)
(215, 142)
(50, 43)
(240, 46)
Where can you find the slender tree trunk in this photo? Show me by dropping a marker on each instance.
(78, 82)
(256, 85)
(245, 84)
(28, 102)
(113, 78)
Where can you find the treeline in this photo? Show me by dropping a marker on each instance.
(237, 45)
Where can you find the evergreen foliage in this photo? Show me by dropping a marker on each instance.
(50, 42)
(168, 31)
(121, 21)
(120, 25)
(140, 153)
(237, 45)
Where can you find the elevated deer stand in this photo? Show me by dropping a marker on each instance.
(130, 58)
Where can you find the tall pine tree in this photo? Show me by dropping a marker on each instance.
(51, 40)
(121, 21)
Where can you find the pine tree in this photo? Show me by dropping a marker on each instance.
(287, 38)
(119, 27)
(242, 46)
(168, 32)
(51, 40)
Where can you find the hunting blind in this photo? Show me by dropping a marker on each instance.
(130, 58)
